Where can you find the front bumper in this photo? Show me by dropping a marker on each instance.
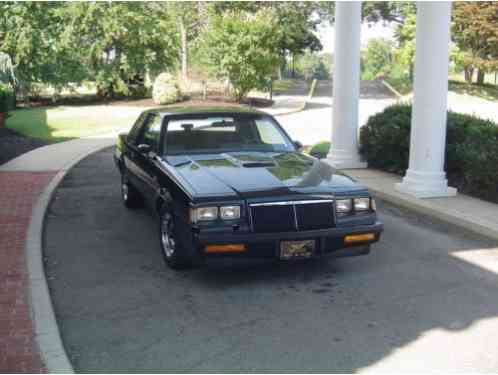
(267, 245)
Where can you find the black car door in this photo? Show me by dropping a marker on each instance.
(131, 151)
(147, 149)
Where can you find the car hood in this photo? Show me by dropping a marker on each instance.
(256, 174)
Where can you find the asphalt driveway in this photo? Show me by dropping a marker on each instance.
(425, 299)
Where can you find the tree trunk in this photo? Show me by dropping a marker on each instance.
(469, 72)
(184, 50)
(293, 67)
(480, 77)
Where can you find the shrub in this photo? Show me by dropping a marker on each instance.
(471, 149)
(7, 98)
(320, 150)
(165, 90)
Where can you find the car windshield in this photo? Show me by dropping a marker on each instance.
(215, 134)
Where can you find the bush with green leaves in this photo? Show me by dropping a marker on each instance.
(320, 150)
(165, 90)
(471, 149)
(7, 98)
(242, 47)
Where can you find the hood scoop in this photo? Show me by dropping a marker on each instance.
(258, 164)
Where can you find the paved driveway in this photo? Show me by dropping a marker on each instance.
(425, 299)
(314, 124)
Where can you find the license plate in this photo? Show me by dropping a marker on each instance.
(296, 249)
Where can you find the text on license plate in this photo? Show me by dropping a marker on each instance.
(296, 249)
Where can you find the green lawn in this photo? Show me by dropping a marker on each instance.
(65, 122)
(283, 85)
(486, 91)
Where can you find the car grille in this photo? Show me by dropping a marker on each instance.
(292, 216)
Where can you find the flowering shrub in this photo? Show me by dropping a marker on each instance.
(165, 89)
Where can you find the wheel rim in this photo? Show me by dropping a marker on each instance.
(124, 191)
(168, 243)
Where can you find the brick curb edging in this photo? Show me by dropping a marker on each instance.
(47, 334)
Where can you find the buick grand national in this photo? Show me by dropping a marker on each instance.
(231, 182)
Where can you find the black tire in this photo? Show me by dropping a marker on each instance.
(176, 253)
(130, 196)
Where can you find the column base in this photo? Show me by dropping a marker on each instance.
(425, 185)
(342, 159)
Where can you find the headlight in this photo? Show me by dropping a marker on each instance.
(361, 204)
(205, 213)
(230, 212)
(343, 206)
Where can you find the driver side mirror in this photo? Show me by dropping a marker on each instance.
(144, 148)
(299, 146)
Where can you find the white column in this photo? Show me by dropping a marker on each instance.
(425, 177)
(344, 148)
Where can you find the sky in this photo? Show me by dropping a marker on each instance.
(368, 31)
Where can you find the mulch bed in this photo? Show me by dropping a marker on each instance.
(213, 99)
(13, 144)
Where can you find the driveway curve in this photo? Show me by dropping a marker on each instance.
(423, 300)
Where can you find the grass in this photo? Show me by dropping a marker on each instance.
(282, 85)
(400, 84)
(486, 91)
(66, 122)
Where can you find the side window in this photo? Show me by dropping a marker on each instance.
(135, 130)
(151, 132)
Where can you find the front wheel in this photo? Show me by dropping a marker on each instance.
(176, 255)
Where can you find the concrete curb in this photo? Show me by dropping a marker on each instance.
(47, 334)
(302, 106)
(424, 208)
(392, 89)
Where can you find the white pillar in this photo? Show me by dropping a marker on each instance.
(425, 176)
(344, 148)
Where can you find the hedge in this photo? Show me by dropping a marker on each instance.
(320, 150)
(7, 98)
(471, 149)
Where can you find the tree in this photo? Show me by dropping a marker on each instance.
(7, 75)
(312, 65)
(297, 23)
(405, 36)
(377, 59)
(190, 18)
(387, 11)
(475, 32)
(30, 35)
(118, 43)
(242, 47)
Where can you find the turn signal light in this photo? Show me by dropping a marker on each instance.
(230, 248)
(359, 237)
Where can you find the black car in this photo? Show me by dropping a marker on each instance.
(230, 181)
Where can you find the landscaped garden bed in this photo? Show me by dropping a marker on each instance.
(471, 161)
(13, 144)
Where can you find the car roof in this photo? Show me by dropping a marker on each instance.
(205, 110)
